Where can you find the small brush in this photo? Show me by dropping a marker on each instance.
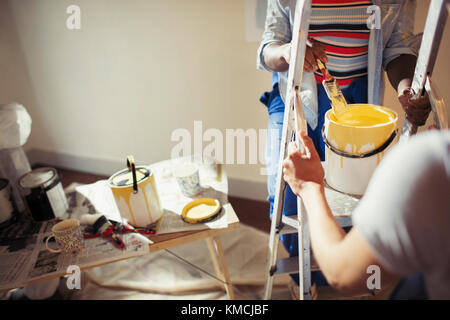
(99, 225)
(106, 229)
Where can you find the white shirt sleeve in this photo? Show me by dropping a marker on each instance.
(405, 212)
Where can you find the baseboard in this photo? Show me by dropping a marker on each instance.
(236, 187)
(247, 189)
(73, 162)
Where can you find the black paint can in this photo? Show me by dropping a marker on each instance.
(43, 193)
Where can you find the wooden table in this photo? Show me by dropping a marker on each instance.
(212, 237)
(170, 240)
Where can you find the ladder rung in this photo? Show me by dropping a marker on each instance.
(291, 221)
(287, 265)
(344, 221)
(288, 230)
(290, 265)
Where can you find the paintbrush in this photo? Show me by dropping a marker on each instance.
(333, 90)
(100, 226)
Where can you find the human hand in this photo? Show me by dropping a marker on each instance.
(303, 172)
(310, 64)
(316, 50)
(417, 110)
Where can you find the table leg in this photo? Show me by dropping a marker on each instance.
(220, 265)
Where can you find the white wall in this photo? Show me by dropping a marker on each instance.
(136, 71)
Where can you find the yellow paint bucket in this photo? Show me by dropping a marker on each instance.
(356, 143)
(135, 193)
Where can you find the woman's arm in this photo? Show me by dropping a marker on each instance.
(400, 72)
(277, 56)
(343, 258)
(399, 61)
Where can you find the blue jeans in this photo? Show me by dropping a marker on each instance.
(356, 92)
(410, 288)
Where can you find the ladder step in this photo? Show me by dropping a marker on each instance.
(291, 221)
(287, 265)
(290, 265)
(344, 221)
(288, 230)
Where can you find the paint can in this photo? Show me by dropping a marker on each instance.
(135, 193)
(43, 193)
(352, 153)
(6, 200)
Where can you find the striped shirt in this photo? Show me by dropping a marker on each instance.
(342, 26)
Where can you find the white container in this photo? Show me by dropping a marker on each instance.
(188, 178)
(351, 175)
(13, 165)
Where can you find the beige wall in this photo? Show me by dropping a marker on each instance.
(136, 71)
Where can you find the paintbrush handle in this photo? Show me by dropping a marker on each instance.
(327, 76)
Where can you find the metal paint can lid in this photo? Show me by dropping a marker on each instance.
(124, 177)
(41, 177)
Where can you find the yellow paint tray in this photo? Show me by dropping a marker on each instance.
(201, 210)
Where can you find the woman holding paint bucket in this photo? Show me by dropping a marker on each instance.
(355, 56)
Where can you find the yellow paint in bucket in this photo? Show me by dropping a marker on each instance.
(364, 116)
(361, 129)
